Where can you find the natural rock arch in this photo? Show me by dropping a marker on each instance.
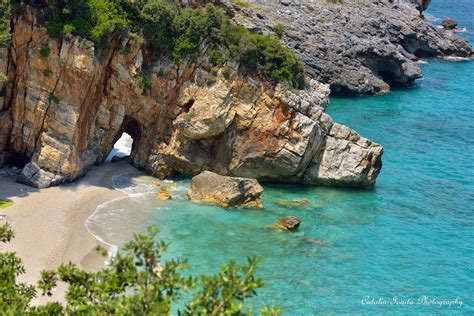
(188, 119)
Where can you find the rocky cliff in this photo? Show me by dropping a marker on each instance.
(63, 106)
(358, 47)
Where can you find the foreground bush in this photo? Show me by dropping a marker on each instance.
(134, 283)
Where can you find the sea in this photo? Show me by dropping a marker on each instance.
(404, 247)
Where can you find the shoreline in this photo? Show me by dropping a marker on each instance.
(50, 224)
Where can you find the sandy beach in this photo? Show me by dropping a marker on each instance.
(49, 224)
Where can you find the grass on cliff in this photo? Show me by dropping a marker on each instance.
(180, 32)
(4, 204)
(5, 12)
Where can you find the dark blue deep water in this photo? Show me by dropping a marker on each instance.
(409, 241)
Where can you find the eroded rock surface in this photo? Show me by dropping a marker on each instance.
(357, 47)
(209, 187)
(62, 113)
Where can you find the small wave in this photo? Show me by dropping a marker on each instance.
(115, 221)
(456, 58)
(90, 221)
(422, 61)
(132, 186)
(432, 18)
(463, 30)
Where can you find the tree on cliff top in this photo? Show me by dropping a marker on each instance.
(134, 283)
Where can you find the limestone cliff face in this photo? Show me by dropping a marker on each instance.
(64, 106)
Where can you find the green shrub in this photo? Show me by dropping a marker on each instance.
(96, 20)
(181, 33)
(211, 80)
(135, 282)
(5, 12)
(227, 72)
(47, 72)
(44, 52)
(53, 99)
(3, 80)
(280, 30)
(143, 81)
(125, 50)
(241, 3)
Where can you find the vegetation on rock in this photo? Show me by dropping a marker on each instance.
(134, 283)
(5, 12)
(170, 29)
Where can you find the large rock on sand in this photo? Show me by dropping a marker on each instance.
(225, 191)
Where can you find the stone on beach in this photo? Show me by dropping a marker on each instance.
(288, 223)
(225, 191)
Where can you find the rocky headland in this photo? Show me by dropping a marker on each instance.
(357, 47)
(64, 105)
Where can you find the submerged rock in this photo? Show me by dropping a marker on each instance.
(163, 194)
(292, 203)
(288, 223)
(225, 191)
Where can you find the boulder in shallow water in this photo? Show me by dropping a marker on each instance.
(163, 194)
(225, 191)
(449, 24)
(288, 223)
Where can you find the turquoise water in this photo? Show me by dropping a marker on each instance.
(411, 236)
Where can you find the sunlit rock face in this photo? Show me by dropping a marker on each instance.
(62, 113)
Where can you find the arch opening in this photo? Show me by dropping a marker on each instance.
(122, 148)
(126, 141)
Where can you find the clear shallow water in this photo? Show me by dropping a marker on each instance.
(413, 235)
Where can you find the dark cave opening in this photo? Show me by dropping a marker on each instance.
(17, 160)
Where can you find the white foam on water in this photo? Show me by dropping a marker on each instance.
(110, 219)
(455, 58)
